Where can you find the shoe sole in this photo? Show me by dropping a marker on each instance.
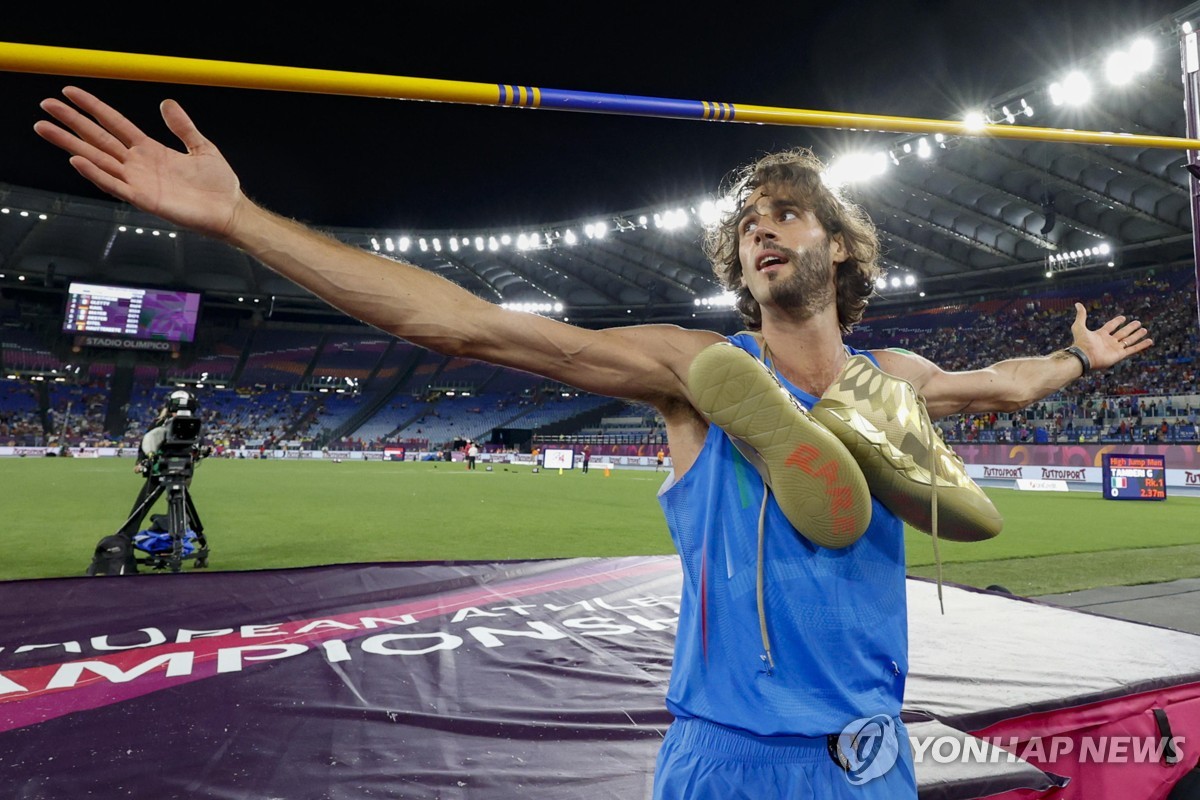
(816, 481)
(965, 514)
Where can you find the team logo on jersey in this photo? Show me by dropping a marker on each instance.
(867, 748)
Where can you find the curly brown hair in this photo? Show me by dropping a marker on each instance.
(796, 174)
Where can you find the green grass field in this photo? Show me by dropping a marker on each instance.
(270, 514)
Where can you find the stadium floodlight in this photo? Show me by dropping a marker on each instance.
(454, 244)
(974, 120)
(479, 243)
(569, 236)
(437, 245)
(1074, 90)
(1118, 68)
(1141, 54)
(722, 300)
(881, 283)
(404, 243)
(709, 213)
(857, 168)
(909, 280)
(923, 148)
(493, 245)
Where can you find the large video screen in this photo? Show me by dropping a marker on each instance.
(126, 311)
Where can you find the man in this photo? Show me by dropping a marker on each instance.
(749, 723)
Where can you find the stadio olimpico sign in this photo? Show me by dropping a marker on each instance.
(125, 344)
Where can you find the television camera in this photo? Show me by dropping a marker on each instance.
(168, 470)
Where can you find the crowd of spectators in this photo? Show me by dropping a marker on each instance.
(1153, 398)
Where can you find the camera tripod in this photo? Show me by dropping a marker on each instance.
(180, 512)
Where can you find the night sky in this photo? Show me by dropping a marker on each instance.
(365, 162)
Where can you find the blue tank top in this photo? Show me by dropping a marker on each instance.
(836, 619)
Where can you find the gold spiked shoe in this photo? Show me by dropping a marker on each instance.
(815, 480)
(883, 422)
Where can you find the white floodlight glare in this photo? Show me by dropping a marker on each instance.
(856, 168)
(404, 243)
(881, 283)
(974, 120)
(1141, 54)
(479, 243)
(1074, 90)
(493, 245)
(375, 244)
(923, 148)
(1118, 68)
(909, 280)
(454, 244)
(723, 300)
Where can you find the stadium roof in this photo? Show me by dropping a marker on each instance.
(964, 216)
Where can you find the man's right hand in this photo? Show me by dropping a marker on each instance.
(197, 189)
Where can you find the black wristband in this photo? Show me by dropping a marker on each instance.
(1082, 356)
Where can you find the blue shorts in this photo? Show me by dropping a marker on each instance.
(700, 760)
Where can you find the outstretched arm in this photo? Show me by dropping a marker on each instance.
(197, 189)
(1015, 383)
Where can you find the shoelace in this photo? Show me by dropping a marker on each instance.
(933, 511)
(758, 582)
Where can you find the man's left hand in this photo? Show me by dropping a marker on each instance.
(1111, 343)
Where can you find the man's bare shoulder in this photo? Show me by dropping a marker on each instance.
(905, 364)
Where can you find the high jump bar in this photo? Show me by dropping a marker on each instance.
(48, 60)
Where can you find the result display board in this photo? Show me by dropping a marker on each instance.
(1134, 477)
